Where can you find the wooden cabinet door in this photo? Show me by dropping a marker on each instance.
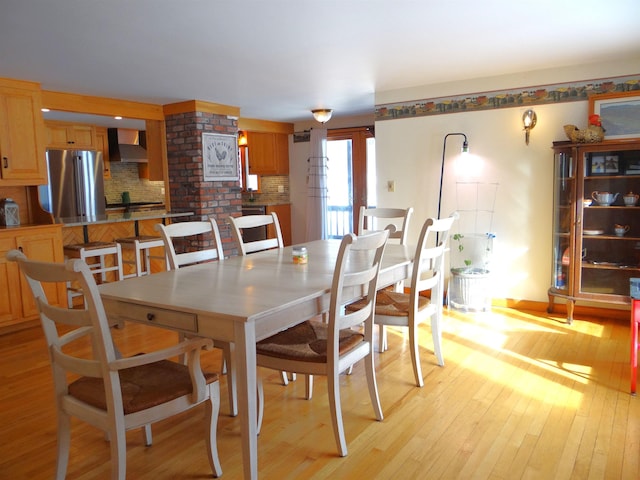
(102, 145)
(281, 141)
(45, 245)
(21, 136)
(10, 306)
(262, 153)
(69, 135)
(284, 217)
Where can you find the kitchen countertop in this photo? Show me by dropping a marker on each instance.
(120, 217)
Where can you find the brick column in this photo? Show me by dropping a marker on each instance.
(187, 188)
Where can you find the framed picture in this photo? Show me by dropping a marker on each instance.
(619, 112)
(220, 160)
(604, 165)
(632, 167)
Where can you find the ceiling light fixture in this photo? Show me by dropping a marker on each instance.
(322, 115)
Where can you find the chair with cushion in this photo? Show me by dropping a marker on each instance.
(94, 384)
(374, 218)
(179, 239)
(238, 224)
(329, 348)
(401, 309)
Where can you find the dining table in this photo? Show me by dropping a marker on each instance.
(242, 299)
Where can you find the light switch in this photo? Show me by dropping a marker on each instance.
(391, 186)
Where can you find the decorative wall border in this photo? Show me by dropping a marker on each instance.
(517, 97)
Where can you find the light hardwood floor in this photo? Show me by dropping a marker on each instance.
(522, 396)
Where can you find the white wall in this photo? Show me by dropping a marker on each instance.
(409, 151)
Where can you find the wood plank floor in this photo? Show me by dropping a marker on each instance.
(522, 396)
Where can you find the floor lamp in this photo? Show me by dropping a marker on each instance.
(465, 149)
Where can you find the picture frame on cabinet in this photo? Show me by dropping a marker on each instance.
(604, 165)
(220, 160)
(619, 113)
(632, 166)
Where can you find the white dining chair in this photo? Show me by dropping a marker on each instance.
(107, 391)
(179, 239)
(328, 348)
(409, 310)
(238, 224)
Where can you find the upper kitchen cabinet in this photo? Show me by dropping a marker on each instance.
(102, 145)
(22, 134)
(268, 153)
(66, 135)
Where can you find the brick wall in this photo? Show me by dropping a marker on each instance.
(187, 189)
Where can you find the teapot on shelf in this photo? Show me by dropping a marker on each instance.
(604, 198)
(630, 199)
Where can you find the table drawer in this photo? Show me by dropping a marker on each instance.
(157, 316)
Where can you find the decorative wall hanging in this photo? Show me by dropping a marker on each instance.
(518, 97)
(220, 157)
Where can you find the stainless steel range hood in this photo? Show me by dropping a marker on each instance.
(127, 145)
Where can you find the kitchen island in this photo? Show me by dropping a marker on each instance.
(104, 228)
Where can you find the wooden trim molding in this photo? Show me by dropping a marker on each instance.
(200, 106)
(70, 102)
(255, 125)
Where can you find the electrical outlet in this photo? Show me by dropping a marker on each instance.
(280, 188)
(391, 186)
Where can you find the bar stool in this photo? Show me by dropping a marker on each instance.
(97, 250)
(141, 246)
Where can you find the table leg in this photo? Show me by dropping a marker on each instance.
(245, 356)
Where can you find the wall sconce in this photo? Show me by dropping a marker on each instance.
(322, 115)
(242, 139)
(529, 120)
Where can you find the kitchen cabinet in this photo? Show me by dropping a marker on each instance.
(591, 261)
(102, 145)
(268, 153)
(284, 217)
(21, 134)
(16, 300)
(70, 135)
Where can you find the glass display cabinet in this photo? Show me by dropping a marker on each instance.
(596, 222)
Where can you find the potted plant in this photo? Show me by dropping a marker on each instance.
(470, 258)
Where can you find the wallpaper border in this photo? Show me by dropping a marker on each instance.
(517, 97)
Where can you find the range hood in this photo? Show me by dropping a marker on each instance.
(127, 145)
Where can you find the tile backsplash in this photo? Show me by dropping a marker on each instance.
(124, 178)
(269, 190)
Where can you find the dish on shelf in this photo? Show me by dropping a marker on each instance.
(587, 202)
(593, 232)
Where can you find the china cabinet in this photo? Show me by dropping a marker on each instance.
(596, 232)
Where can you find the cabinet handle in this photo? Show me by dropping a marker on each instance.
(151, 317)
(5, 162)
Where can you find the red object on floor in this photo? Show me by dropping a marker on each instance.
(635, 320)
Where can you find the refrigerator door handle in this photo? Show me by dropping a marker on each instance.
(80, 187)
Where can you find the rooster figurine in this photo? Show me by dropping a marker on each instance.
(593, 133)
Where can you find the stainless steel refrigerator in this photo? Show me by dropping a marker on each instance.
(76, 184)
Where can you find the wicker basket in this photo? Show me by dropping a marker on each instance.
(591, 134)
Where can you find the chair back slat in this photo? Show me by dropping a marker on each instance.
(181, 232)
(355, 275)
(238, 224)
(375, 219)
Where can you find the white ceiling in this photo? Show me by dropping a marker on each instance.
(278, 59)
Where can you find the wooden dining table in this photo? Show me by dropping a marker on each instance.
(242, 299)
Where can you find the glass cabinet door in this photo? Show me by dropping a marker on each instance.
(610, 221)
(564, 195)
